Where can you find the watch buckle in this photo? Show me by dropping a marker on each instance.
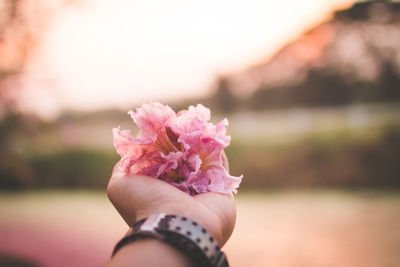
(152, 222)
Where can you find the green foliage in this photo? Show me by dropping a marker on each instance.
(67, 169)
(336, 158)
(340, 159)
(14, 261)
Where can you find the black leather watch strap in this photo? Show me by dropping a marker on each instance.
(180, 232)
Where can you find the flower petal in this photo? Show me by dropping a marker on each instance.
(193, 119)
(222, 182)
(170, 162)
(208, 149)
(151, 118)
(184, 150)
(128, 151)
(199, 182)
(122, 141)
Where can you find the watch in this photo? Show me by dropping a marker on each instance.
(180, 232)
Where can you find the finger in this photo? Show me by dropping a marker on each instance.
(117, 172)
(218, 202)
(225, 207)
(136, 197)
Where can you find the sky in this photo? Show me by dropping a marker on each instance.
(102, 54)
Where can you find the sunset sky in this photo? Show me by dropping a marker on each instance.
(101, 54)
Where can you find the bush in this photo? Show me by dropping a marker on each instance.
(67, 169)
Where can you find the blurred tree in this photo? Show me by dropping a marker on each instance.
(225, 101)
(352, 58)
(21, 27)
(389, 81)
(23, 24)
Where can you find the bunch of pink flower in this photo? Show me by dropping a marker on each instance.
(183, 149)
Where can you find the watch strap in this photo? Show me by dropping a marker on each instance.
(180, 232)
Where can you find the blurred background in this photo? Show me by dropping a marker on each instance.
(311, 89)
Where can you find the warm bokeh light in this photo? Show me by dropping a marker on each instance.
(117, 53)
(310, 89)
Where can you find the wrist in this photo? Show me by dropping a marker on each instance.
(180, 232)
(141, 253)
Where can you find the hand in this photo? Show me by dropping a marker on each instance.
(137, 197)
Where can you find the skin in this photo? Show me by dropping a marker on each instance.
(137, 197)
(142, 253)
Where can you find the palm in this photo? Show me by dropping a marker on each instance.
(137, 197)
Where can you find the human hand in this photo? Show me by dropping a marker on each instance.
(137, 197)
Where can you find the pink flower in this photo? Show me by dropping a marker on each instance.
(183, 149)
